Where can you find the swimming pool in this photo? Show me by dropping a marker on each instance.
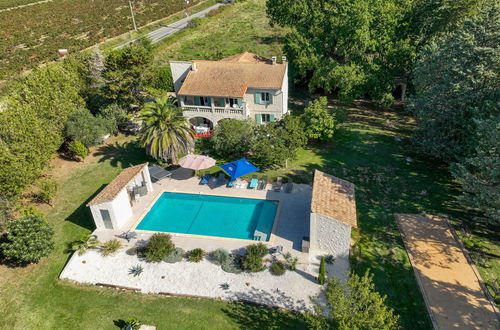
(219, 216)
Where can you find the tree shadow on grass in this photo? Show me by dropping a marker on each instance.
(123, 155)
(82, 216)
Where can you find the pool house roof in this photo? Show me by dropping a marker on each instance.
(334, 198)
(114, 187)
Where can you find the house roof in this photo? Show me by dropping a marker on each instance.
(114, 187)
(232, 76)
(334, 198)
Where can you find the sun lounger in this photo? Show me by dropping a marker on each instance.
(289, 186)
(253, 182)
(231, 183)
(205, 178)
(262, 183)
(277, 185)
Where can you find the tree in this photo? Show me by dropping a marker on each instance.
(354, 305)
(114, 117)
(47, 189)
(293, 133)
(126, 73)
(319, 122)
(456, 81)
(268, 147)
(232, 138)
(77, 149)
(85, 127)
(479, 175)
(165, 133)
(359, 47)
(29, 239)
(322, 274)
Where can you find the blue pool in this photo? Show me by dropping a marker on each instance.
(219, 216)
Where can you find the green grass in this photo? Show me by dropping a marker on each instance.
(35, 298)
(240, 27)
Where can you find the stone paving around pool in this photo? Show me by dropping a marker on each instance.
(291, 290)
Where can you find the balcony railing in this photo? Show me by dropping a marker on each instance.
(217, 110)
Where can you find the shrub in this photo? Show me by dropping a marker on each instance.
(196, 255)
(175, 256)
(158, 247)
(233, 264)
(322, 275)
(219, 256)
(291, 261)
(28, 239)
(195, 22)
(133, 323)
(278, 268)
(85, 243)
(77, 149)
(113, 118)
(135, 270)
(253, 258)
(83, 126)
(110, 247)
(47, 190)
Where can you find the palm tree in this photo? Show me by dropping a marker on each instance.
(165, 131)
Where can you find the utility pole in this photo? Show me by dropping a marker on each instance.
(133, 17)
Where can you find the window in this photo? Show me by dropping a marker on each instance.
(265, 97)
(204, 101)
(106, 219)
(231, 102)
(265, 118)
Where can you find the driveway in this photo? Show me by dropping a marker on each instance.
(449, 283)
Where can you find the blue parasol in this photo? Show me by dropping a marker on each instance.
(239, 168)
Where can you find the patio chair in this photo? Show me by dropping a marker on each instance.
(231, 183)
(289, 186)
(254, 182)
(205, 178)
(263, 183)
(277, 185)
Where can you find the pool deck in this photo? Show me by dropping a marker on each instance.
(292, 221)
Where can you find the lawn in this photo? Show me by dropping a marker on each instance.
(33, 297)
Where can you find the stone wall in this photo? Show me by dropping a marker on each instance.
(329, 235)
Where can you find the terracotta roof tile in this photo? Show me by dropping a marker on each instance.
(114, 187)
(334, 198)
(231, 78)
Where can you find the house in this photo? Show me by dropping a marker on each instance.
(241, 86)
(112, 207)
(333, 215)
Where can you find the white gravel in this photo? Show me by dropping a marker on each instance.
(291, 290)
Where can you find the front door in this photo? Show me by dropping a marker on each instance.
(106, 219)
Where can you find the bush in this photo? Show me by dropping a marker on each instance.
(28, 239)
(291, 261)
(113, 118)
(83, 126)
(219, 256)
(135, 270)
(85, 243)
(77, 149)
(233, 264)
(196, 255)
(322, 274)
(133, 323)
(278, 268)
(253, 258)
(195, 22)
(158, 247)
(47, 191)
(110, 247)
(175, 256)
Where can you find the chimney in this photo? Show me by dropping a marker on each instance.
(274, 58)
(283, 59)
(193, 67)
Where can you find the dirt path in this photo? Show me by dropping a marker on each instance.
(450, 285)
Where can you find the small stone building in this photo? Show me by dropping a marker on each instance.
(333, 214)
(112, 207)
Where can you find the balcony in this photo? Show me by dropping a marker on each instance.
(215, 110)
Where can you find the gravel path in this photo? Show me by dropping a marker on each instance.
(291, 290)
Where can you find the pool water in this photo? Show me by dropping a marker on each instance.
(218, 216)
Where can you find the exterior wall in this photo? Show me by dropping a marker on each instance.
(329, 235)
(284, 88)
(121, 210)
(275, 108)
(179, 71)
(213, 117)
